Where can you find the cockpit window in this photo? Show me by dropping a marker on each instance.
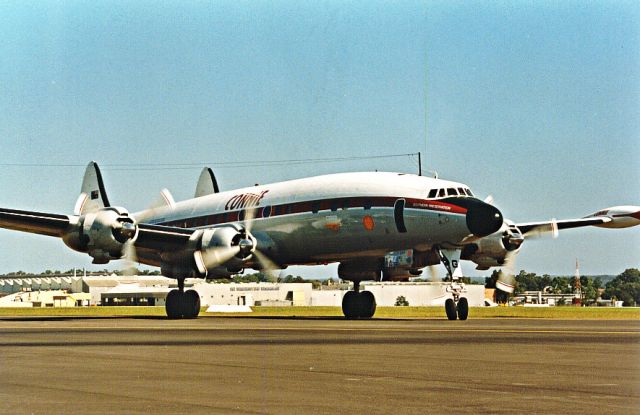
(441, 193)
(452, 192)
(469, 192)
(432, 193)
(461, 191)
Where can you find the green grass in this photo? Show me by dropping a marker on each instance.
(572, 313)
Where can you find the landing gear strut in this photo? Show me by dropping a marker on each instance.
(181, 303)
(458, 306)
(358, 304)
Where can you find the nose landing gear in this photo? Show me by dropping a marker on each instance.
(458, 306)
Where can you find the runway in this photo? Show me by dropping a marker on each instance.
(313, 365)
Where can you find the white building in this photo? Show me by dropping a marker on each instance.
(51, 298)
(420, 293)
(258, 294)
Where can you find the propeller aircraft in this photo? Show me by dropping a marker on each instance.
(358, 220)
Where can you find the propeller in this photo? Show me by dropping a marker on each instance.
(266, 263)
(130, 258)
(214, 257)
(506, 277)
(434, 273)
(545, 230)
(127, 230)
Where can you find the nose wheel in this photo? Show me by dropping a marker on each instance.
(456, 307)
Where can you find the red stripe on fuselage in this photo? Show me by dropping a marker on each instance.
(316, 206)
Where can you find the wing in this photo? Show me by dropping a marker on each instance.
(532, 228)
(150, 237)
(613, 217)
(34, 222)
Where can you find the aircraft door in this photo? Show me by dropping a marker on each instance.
(398, 215)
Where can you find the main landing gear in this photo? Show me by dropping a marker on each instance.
(358, 304)
(181, 303)
(458, 306)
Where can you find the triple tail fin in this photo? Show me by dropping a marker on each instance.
(93, 196)
(207, 184)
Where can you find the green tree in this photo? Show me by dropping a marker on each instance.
(401, 301)
(625, 287)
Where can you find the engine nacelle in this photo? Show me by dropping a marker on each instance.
(223, 251)
(492, 250)
(102, 234)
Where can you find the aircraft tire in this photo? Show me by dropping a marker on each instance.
(463, 308)
(190, 304)
(173, 304)
(367, 304)
(350, 305)
(450, 308)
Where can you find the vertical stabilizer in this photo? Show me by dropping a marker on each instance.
(92, 194)
(207, 184)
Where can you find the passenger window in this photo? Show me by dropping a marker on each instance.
(441, 193)
(432, 193)
(452, 192)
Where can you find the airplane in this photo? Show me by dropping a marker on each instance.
(359, 220)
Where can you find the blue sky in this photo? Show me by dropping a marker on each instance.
(537, 104)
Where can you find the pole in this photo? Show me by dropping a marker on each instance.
(419, 164)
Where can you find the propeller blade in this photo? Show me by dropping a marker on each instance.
(131, 260)
(249, 216)
(545, 230)
(164, 201)
(215, 257)
(506, 279)
(434, 274)
(268, 266)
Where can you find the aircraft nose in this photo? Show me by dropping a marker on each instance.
(483, 219)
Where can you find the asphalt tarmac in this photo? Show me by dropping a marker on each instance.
(218, 365)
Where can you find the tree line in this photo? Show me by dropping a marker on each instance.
(624, 287)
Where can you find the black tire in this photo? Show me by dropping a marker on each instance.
(463, 308)
(367, 304)
(450, 308)
(173, 304)
(349, 304)
(190, 304)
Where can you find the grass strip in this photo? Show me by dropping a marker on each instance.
(562, 313)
